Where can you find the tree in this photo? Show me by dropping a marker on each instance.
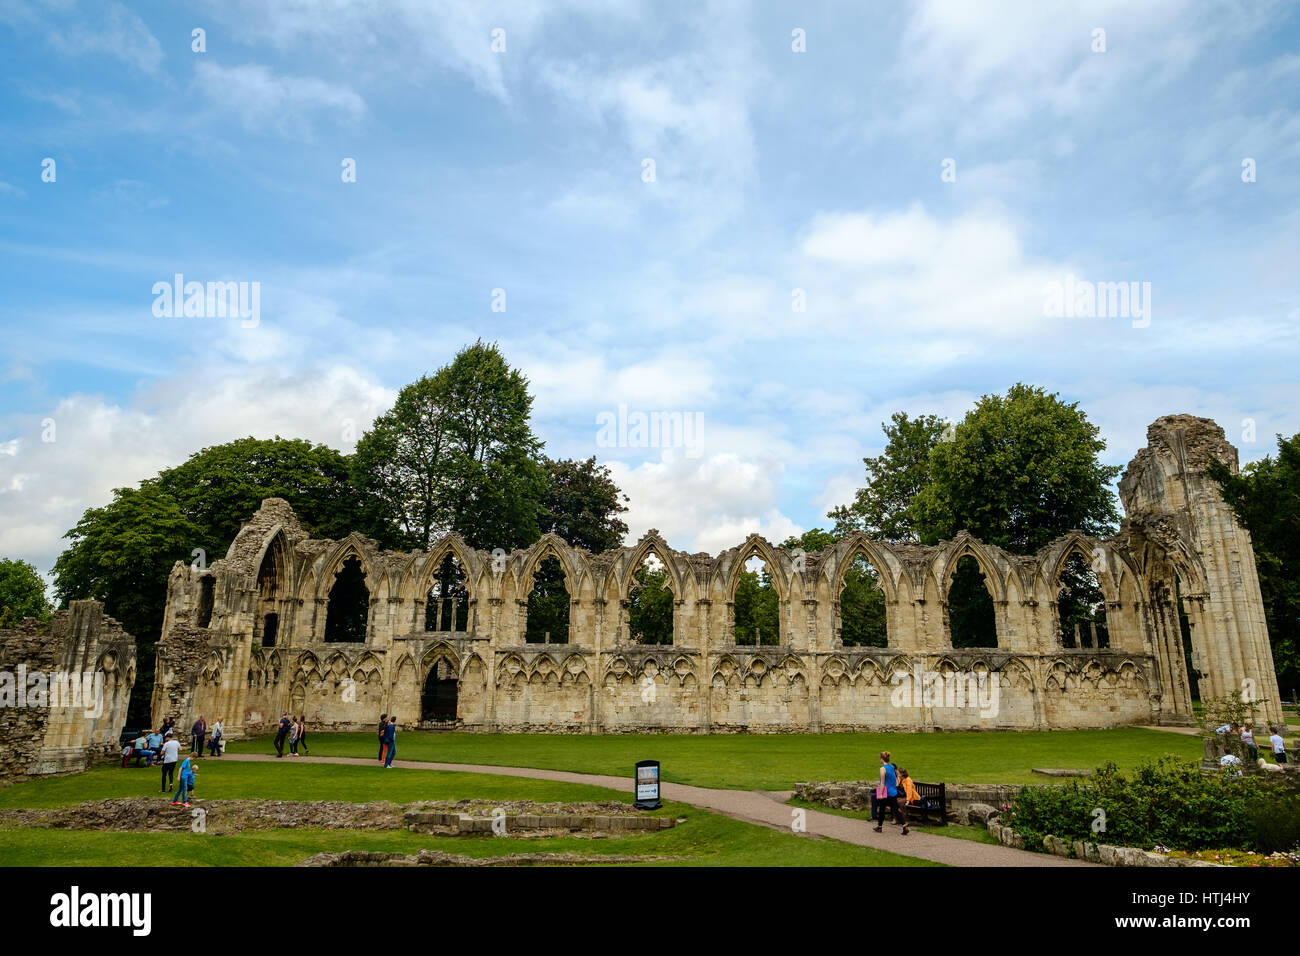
(883, 507)
(220, 487)
(650, 606)
(756, 608)
(582, 504)
(1019, 471)
(456, 453)
(1265, 496)
(22, 593)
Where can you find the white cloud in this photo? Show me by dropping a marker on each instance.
(289, 104)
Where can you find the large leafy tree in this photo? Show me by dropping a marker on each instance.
(1020, 470)
(1266, 498)
(22, 593)
(883, 506)
(457, 453)
(582, 504)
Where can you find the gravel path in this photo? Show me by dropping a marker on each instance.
(753, 806)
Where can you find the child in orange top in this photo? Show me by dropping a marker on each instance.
(911, 794)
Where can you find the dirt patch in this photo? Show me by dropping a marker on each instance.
(452, 818)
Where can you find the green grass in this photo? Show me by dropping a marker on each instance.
(975, 834)
(231, 780)
(704, 839)
(776, 761)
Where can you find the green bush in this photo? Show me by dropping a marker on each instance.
(1170, 803)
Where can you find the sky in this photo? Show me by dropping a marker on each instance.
(782, 221)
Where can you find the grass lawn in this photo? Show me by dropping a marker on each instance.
(704, 839)
(775, 761)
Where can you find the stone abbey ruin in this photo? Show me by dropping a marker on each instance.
(341, 631)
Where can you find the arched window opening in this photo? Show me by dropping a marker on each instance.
(650, 603)
(446, 605)
(269, 578)
(971, 619)
(349, 605)
(548, 605)
(1081, 605)
(862, 606)
(207, 598)
(1191, 655)
(755, 606)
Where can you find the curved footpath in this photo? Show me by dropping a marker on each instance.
(767, 808)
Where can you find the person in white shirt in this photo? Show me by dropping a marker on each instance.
(1279, 746)
(171, 753)
(1248, 741)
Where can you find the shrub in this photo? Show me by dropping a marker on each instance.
(1167, 802)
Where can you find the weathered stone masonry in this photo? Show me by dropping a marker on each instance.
(36, 738)
(244, 638)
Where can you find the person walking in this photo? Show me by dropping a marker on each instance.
(171, 752)
(390, 740)
(887, 795)
(187, 777)
(383, 726)
(281, 732)
(293, 737)
(302, 734)
(197, 733)
(214, 744)
(1278, 744)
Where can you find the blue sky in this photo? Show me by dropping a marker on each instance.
(522, 170)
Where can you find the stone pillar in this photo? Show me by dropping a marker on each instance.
(1168, 479)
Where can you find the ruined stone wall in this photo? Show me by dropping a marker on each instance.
(64, 691)
(261, 647)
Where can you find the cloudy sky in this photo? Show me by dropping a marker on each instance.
(684, 212)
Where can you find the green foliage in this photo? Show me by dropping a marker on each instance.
(862, 607)
(756, 609)
(650, 607)
(1080, 601)
(1266, 499)
(1019, 471)
(582, 504)
(22, 593)
(1229, 709)
(883, 508)
(548, 605)
(456, 453)
(349, 605)
(1166, 802)
(219, 488)
(971, 618)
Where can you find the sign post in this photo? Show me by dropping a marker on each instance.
(647, 785)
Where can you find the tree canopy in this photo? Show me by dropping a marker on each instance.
(22, 593)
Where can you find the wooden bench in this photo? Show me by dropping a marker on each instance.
(933, 803)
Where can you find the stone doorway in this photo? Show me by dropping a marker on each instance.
(441, 689)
